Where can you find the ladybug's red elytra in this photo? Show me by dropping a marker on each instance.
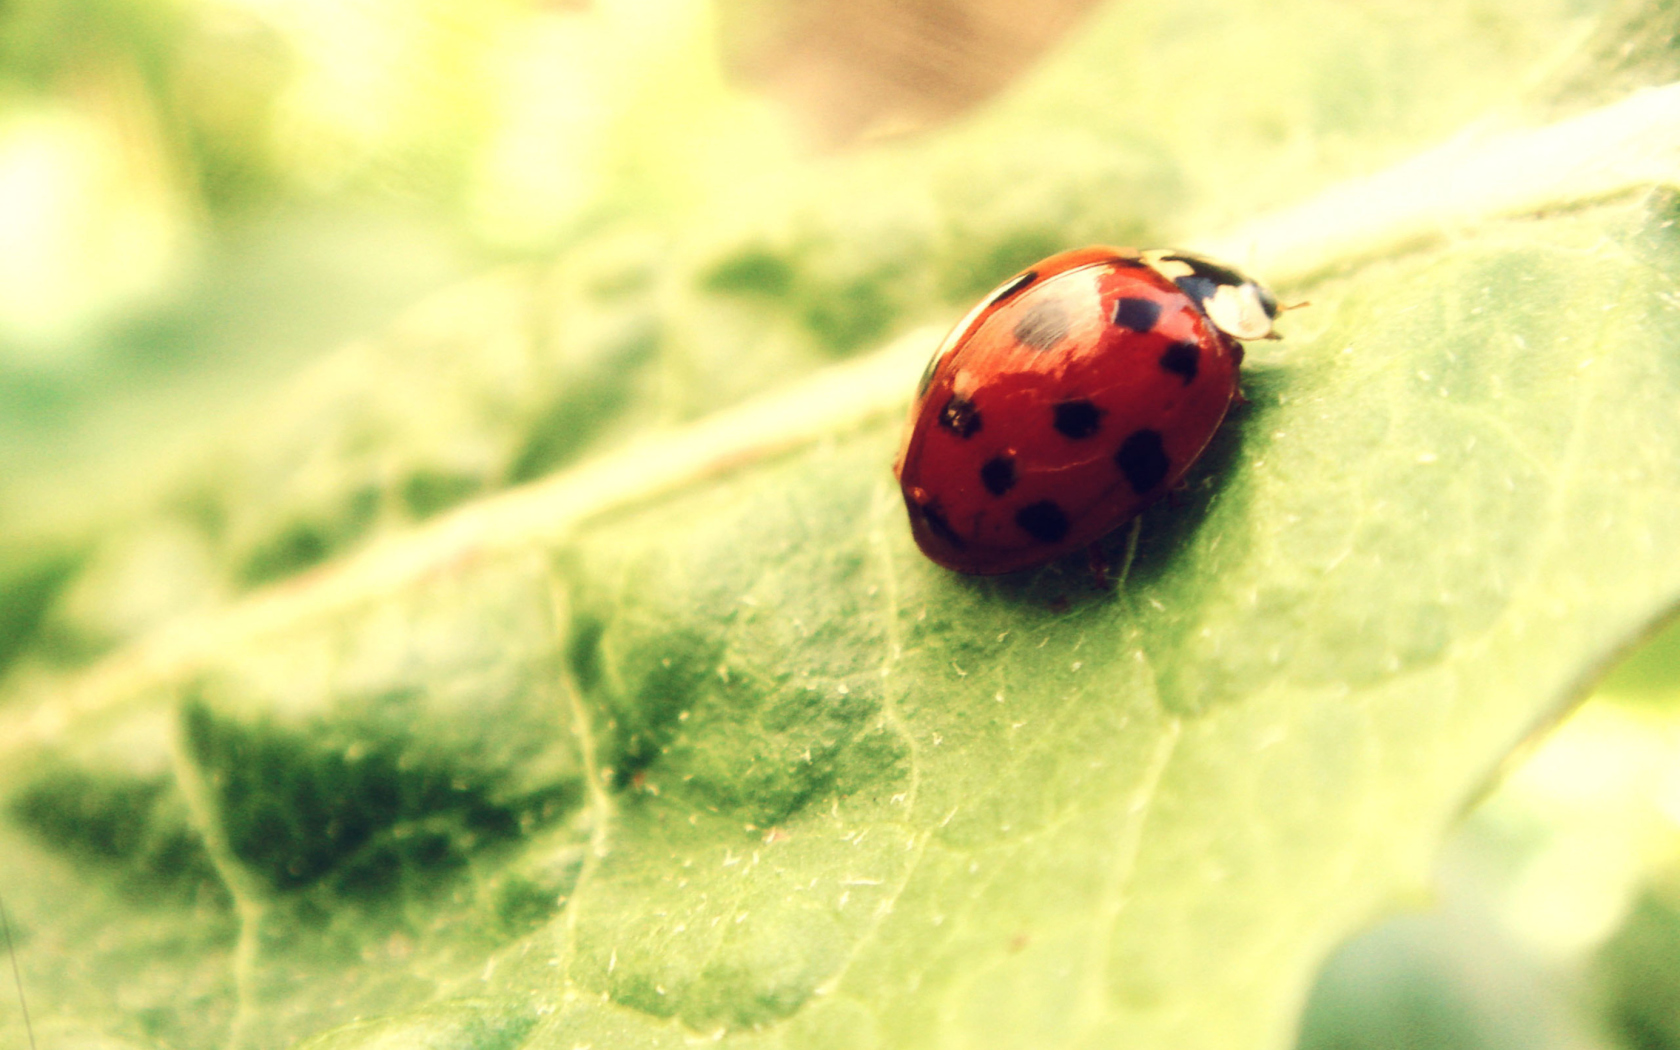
(1073, 396)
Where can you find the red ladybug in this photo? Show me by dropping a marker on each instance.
(1069, 399)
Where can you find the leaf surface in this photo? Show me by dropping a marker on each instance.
(688, 741)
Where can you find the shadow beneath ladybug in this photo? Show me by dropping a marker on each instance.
(1170, 524)
(1163, 530)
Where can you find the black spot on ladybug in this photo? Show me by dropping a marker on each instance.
(1012, 287)
(940, 527)
(960, 417)
(1139, 315)
(1181, 359)
(1045, 324)
(1143, 460)
(1044, 521)
(1078, 419)
(998, 474)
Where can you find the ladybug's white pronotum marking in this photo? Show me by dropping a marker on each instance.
(1237, 305)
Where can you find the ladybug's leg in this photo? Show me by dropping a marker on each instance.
(1132, 535)
(1099, 565)
(1236, 350)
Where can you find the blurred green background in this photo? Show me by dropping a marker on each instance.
(234, 233)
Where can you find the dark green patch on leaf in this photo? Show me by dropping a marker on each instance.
(372, 813)
(847, 317)
(752, 271)
(29, 581)
(136, 826)
(589, 400)
(306, 543)
(523, 904)
(427, 492)
(1637, 978)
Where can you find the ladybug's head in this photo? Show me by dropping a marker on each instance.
(1237, 304)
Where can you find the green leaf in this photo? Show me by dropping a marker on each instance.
(741, 761)
(688, 741)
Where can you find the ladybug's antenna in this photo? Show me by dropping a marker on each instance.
(17, 975)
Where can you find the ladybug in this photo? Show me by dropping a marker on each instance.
(1073, 396)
